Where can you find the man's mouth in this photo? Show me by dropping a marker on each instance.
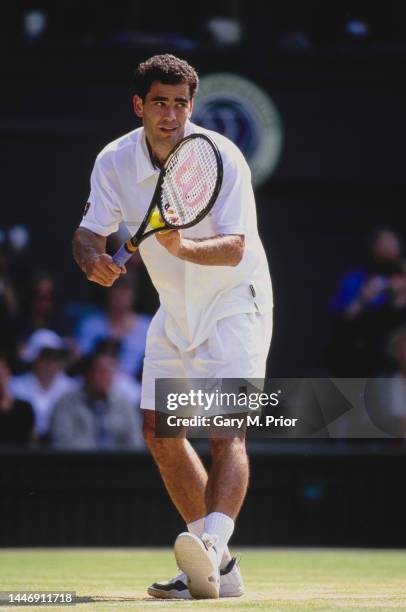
(168, 129)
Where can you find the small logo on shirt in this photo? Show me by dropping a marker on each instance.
(86, 208)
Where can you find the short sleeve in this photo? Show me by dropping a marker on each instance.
(230, 211)
(102, 213)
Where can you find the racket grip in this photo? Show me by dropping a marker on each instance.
(122, 256)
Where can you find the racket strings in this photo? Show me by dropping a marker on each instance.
(190, 182)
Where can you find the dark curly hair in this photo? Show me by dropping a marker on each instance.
(166, 69)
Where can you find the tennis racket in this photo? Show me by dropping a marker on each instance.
(188, 186)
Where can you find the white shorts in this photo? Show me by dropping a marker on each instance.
(237, 347)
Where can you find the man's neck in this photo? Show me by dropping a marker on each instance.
(155, 159)
(159, 153)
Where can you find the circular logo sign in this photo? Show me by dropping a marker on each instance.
(244, 113)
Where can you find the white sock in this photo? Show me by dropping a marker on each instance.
(197, 528)
(222, 526)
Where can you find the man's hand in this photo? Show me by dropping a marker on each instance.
(102, 270)
(89, 253)
(171, 240)
(372, 288)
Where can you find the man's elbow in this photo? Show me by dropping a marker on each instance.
(238, 251)
(77, 236)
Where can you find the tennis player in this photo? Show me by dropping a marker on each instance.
(215, 317)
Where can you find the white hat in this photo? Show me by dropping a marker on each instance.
(40, 340)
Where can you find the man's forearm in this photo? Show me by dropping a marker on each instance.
(216, 251)
(87, 246)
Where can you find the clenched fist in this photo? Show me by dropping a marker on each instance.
(103, 270)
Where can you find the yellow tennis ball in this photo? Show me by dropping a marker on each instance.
(155, 220)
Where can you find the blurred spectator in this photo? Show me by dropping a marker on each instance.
(370, 302)
(95, 416)
(16, 416)
(40, 308)
(118, 322)
(39, 303)
(123, 384)
(46, 381)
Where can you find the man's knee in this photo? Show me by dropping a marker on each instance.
(223, 446)
(161, 447)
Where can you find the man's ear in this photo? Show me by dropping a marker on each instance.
(138, 106)
(191, 107)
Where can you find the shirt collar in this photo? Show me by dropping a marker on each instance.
(143, 163)
(144, 166)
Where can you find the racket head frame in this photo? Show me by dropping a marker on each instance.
(133, 243)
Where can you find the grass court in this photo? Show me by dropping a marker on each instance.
(289, 580)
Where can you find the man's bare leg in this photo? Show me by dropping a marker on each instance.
(181, 469)
(194, 494)
(191, 492)
(211, 503)
(226, 488)
(228, 478)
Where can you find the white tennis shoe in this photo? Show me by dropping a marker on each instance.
(197, 557)
(175, 588)
(231, 584)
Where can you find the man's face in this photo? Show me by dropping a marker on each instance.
(386, 247)
(164, 112)
(100, 376)
(48, 365)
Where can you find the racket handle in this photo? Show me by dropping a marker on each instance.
(122, 256)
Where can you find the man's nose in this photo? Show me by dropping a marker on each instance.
(170, 113)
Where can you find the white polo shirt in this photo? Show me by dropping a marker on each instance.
(193, 296)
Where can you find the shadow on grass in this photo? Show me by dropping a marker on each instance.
(117, 599)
